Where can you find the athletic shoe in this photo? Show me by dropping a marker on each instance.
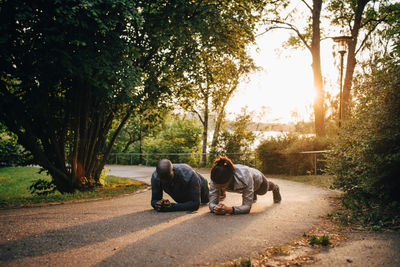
(276, 194)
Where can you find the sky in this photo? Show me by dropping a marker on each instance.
(285, 83)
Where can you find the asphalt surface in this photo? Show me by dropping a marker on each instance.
(126, 231)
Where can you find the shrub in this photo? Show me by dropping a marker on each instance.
(366, 158)
(11, 153)
(178, 136)
(235, 141)
(42, 187)
(323, 240)
(281, 155)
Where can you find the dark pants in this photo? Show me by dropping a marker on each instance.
(265, 187)
(204, 190)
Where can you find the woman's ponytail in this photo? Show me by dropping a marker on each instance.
(222, 170)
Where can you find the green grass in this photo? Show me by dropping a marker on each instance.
(324, 181)
(323, 240)
(15, 182)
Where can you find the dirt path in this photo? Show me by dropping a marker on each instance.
(125, 231)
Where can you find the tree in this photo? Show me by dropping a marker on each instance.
(179, 138)
(208, 88)
(11, 153)
(281, 15)
(238, 139)
(144, 121)
(62, 81)
(210, 82)
(365, 159)
(68, 68)
(361, 19)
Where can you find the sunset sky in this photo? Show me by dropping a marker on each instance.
(285, 84)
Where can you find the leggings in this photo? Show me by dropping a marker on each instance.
(265, 187)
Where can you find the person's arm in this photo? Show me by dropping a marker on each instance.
(247, 198)
(156, 190)
(194, 193)
(213, 196)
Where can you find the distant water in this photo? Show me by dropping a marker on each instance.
(266, 134)
(262, 135)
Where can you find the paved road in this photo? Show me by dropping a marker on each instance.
(125, 231)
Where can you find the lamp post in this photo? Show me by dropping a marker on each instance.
(342, 43)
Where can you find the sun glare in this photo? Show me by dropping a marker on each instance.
(284, 87)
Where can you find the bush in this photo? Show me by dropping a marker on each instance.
(11, 153)
(366, 158)
(42, 187)
(235, 141)
(281, 155)
(178, 136)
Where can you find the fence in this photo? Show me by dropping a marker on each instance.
(305, 162)
(315, 160)
(193, 159)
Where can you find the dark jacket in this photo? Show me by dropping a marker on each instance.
(184, 189)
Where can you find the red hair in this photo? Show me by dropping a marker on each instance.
(222, 170)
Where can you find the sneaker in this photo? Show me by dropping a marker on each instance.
(222, 195)
(276, 194)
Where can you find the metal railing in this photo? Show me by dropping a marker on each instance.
(315, 155)
(193, 159)
(314, 160)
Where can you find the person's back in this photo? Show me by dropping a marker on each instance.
(187, 187)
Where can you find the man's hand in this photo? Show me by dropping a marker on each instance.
(163, 205)
(222, 209)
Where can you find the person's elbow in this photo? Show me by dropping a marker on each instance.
(195, 206)
(153, 204)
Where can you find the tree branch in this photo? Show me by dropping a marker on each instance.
(289, 26)
(307, 5)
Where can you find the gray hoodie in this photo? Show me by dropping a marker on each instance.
(247, 180)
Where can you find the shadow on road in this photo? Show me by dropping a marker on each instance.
(81, 235)
(172, 237)
(194, 241)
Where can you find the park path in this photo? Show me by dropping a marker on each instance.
(126, 231)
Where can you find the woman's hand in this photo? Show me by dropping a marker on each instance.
(222, 209)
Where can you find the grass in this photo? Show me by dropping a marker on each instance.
(323, 240)
(15, 182)
(324, 181)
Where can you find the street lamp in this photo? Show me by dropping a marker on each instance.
(342, 43)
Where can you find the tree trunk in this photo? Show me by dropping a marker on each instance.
(319, 111)
(205, 133)
(351, 57)
(220, 118)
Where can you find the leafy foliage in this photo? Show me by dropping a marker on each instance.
(207, 85)
(236, 140)
(177, 136)
(144, 121)
(281, 155)
(323, 240)
(176, 140)
(11, 153)
(42, 187)
(69, 68)
(366, 158)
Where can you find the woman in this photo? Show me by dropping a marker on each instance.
(240, 179)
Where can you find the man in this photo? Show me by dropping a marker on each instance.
(187, 187)
(240, 179)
